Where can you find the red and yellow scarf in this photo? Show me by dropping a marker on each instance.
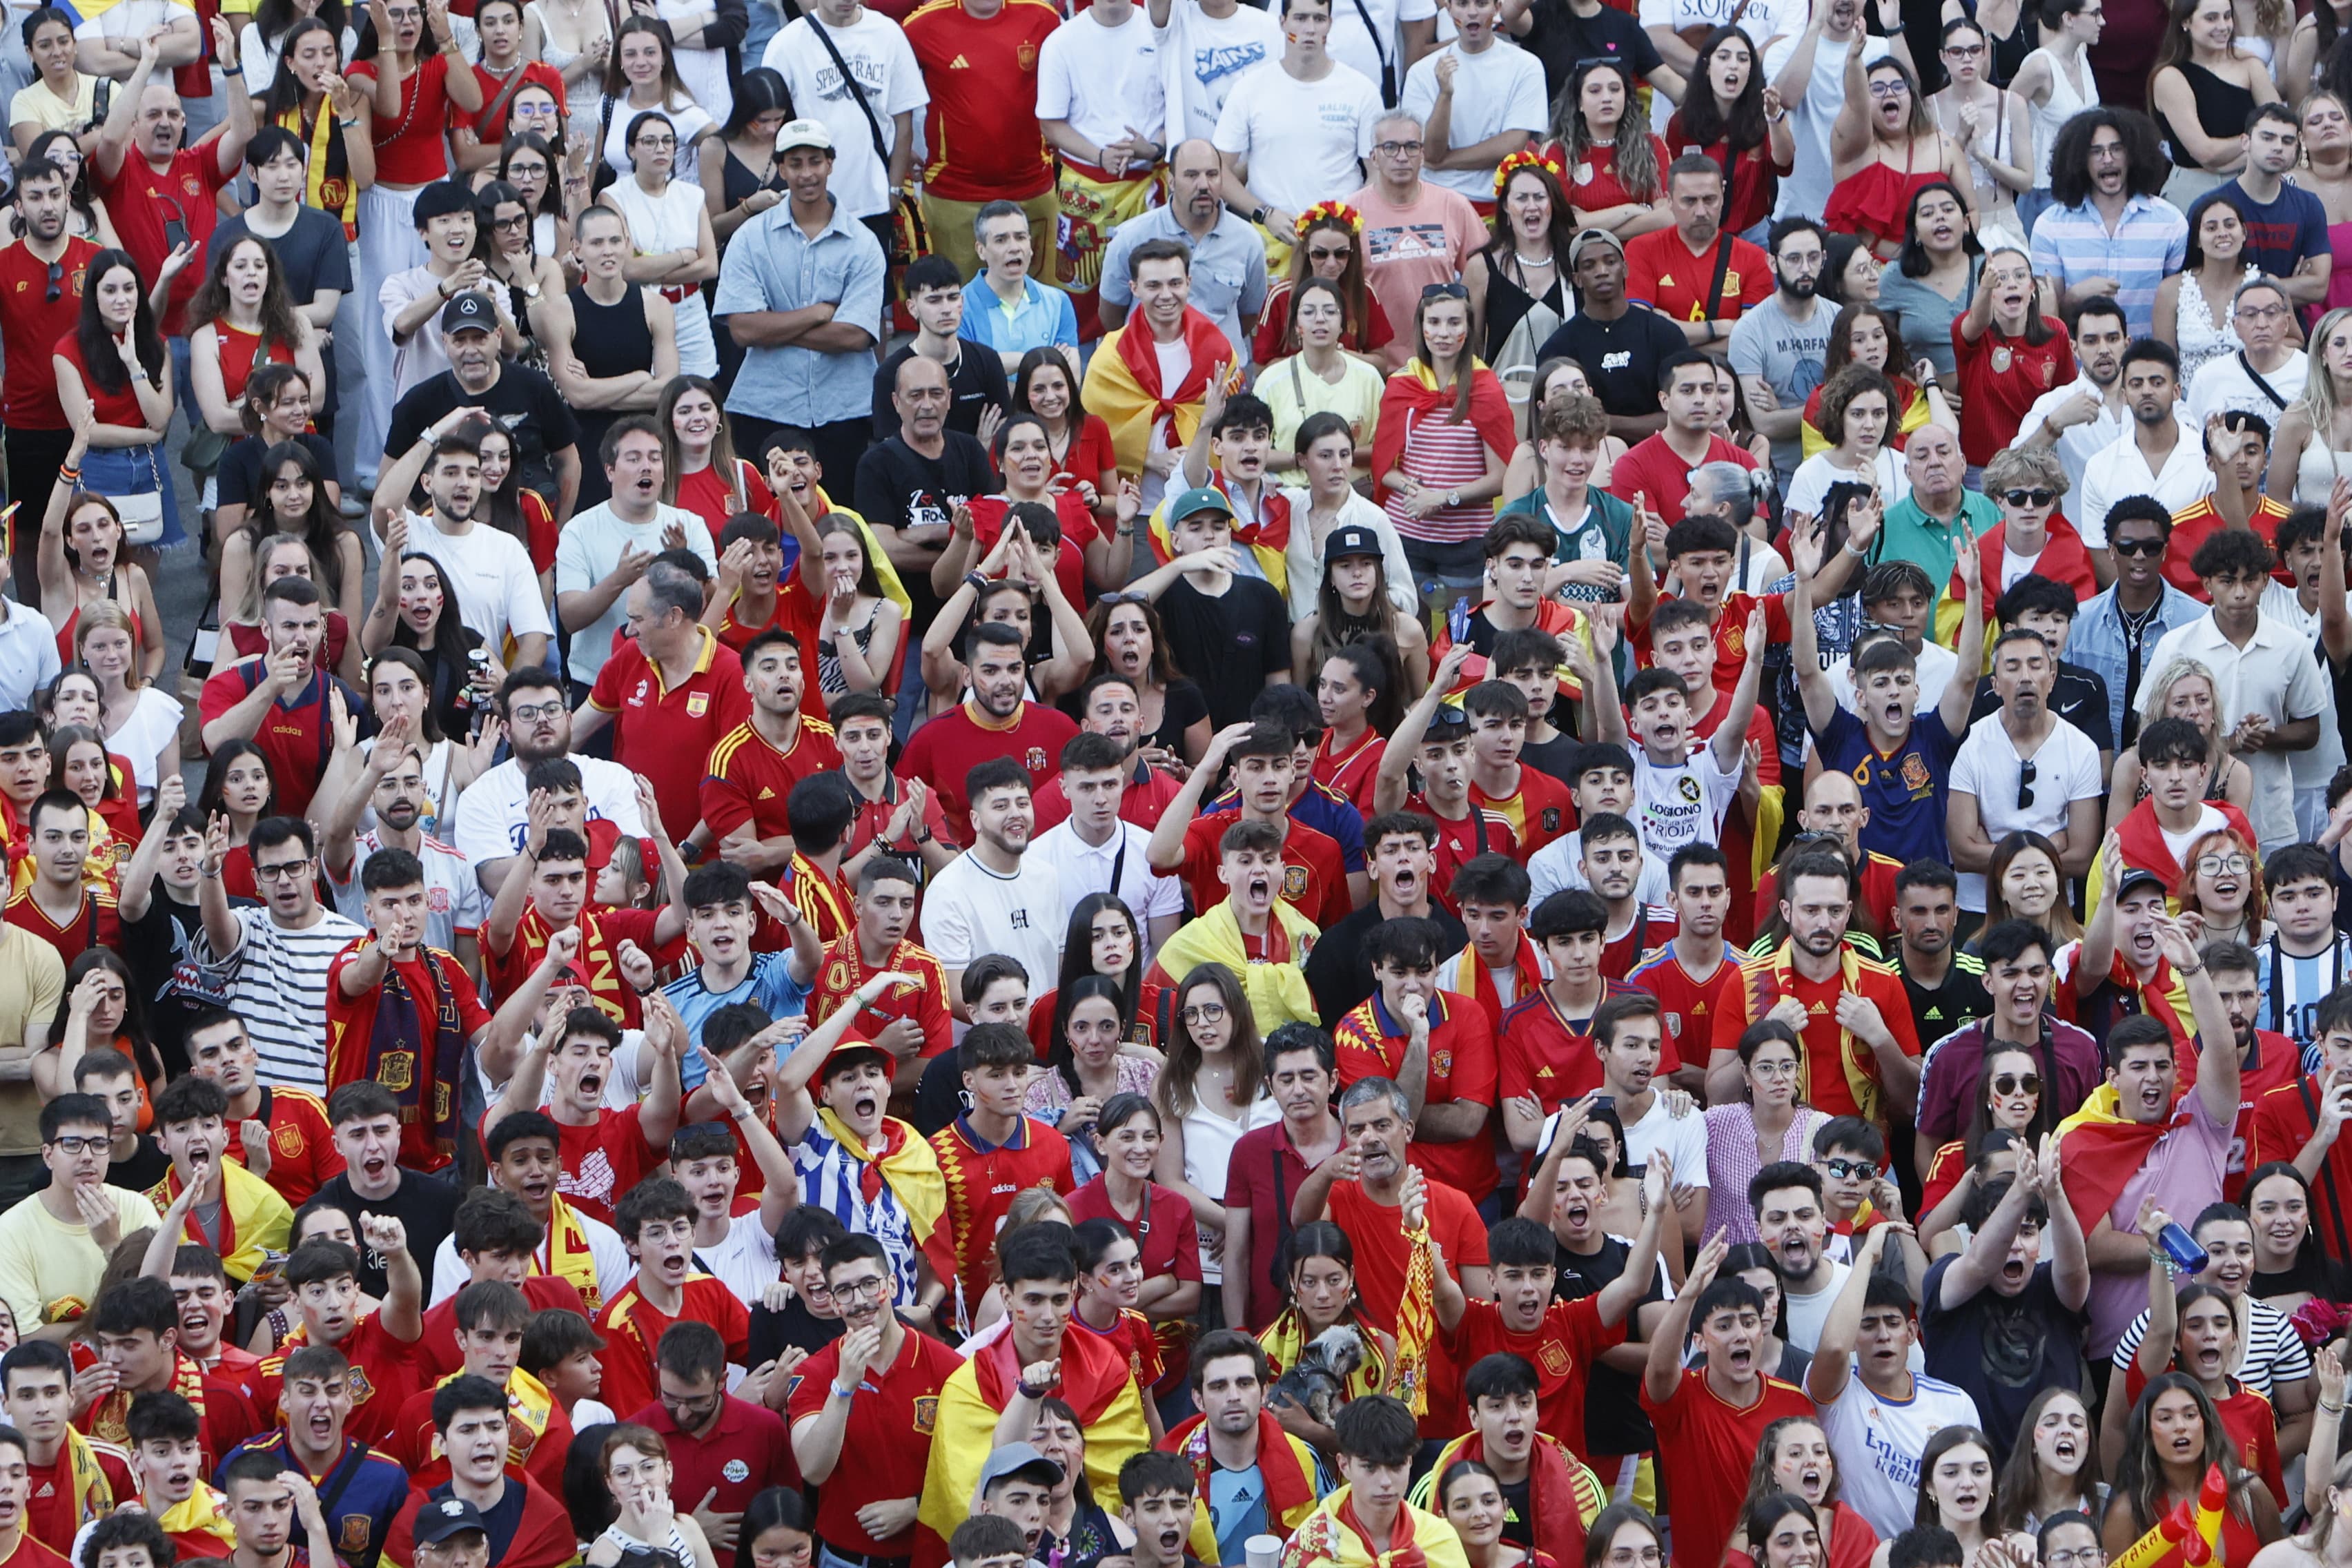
(1765, 980)
(1123, 385)
(1334, 1537)
(1287, 1465)
(104, 1420)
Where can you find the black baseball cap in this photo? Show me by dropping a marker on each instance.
(1351, 539)
(470, 312)
(441, 1517)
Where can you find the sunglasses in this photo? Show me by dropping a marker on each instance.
(1850, 1170)
(2026, 773)
(2012, 1083)
(57, 284)
(1445, 291)
(2029, 497)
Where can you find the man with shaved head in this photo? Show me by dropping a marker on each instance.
(1228, 271)
(910, 486)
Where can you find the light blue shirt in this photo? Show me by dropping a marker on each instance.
(771, 265)
(1044, 316)
(2150, 239)
(770, 987)
(2096, 643)
(29, 655)
(1228, 267)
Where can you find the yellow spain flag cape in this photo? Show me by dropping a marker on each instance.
(1332, 1537)
(255, 1219)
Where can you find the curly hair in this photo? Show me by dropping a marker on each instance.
(1839, 393)
(2145, 165)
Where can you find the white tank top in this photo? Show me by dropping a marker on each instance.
(2063, 105)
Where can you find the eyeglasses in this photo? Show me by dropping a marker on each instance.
(285, 871)
(1773, 1070)
(2082, 1557)
(2026, 773)
(2233, 864)
(1964, 51)
(2013, 1083)
(1204, 1013)
(57, 288)
(1397, 149)
(2260, 312)
(2029, 497)
(1850, 1170)
(872, 1289)
(1889, 88)
(69, 1145)
(690, 1401)
(2148, 547)
(658, 144)
(507, 224)
(535, 713)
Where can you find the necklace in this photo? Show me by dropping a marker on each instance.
(1526, 261)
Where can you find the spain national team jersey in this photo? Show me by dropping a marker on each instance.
(633, 1328)
(384, 1372)
(94, 924)
(1837, 1070)
(1481, 830)
(1539, 811)
(663, 733)
(61, 1502)
(748, 779)
(841, 970)
(982, 1180)
(1689, 1005)
(1370, 1043)
(1314, 879)
(302, 1156)
(602, 930)
(1903, 788)
(372, 1489)
(1568, 1338)
(945, 750)
(1548, 1056)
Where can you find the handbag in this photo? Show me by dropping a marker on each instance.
(141, 517)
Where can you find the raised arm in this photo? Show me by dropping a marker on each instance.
(1987, 1250)
(1730, 742)
(1393, 785)
(1804, 640)
(1166, 850)
(1825, 1379)
(2157, 1344)
(1632, 1282)
(1662, 1373)
(1960, 691)
(795, 1109)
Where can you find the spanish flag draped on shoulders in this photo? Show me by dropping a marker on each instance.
(1284, 1463)
(1271, 968)
(198, 1525)
(255, 1219)
(1123, 385)
(1095, 1383)
(1265, 536)
(2100, 1151)
(1412, 396)
(1332, 1537)
(1564, 1496)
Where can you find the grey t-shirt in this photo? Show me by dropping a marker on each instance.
(1787, 353)
(313, 253)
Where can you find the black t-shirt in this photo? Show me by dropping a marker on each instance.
(2078, 696)
(1340, 975)
(241, 483)
(794, 1328)
(1519, 1513)
(1961, 998)
(976, 381)
(1562, 40)
(2001, 1350)
(1621, 358)
(523, 402)
(154, 945)
(898, 487)
(1229, 642)
(1555, 758)
(426, 1206)
(311, 256)
(1614, 1422)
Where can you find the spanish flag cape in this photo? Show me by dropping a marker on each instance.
(1095, 1381)
(1563, 1495)
(1764, 980)
(1268, 537)
(911, 1166)
(1333, 1537)
(1286, 1464)
(1275, 985)
(200, 1514)
(1123, 385)
(1412, 397)
(2100, 1151)
(2141, 838)
(566, 1254)
(1285, 1339)
(254, 1221)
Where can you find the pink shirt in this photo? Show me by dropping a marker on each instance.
(2183, 1172)
(1408, 248)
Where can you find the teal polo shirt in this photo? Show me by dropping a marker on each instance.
(1910, 534)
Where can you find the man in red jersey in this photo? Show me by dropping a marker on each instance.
(469, 1415)
(655, 1222)
(753, 591)
(605, 1152)
(754, 765)
(136, 1328)
(1545, 1053)
(1536, 804)
(1654, 475)
(64, 905)
(1671, 271)
(41, 278)
(911, 1022)
(993, 1151)
(18, 1549)
(1499, 964)
(72, 1480)
(666, 691)
(1434, 737)
(549, 894)
(869, 1396)
(1372, 1191)
(1688, 976)
(1267, 1165)
(1711, 1418)
(381, 1346)
(995, 723)
(489, 1316)
(1435, 1045)
(978, 59)
(1861, 1056)
(200, 1287)
(279, 699)
(167, 1459)
(166, 191)
(723, 1450)
(497, 1240)
(896, 814)
(283, 1135)
(1108, 705)
(1612, 856)
(1314, 879)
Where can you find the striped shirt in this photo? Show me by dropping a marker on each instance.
(2274, 1352)
(2149, 240)
(1444, 456)
(277, 982)
(832, 1178)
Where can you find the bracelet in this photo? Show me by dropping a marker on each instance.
(644, 990)
(977, 582)
(2335, 1409)
(350, 124)
(841, 1393)
(1029, 1393)
(71, 476)
(231, 71)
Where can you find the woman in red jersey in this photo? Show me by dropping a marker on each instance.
(2174, 1438)
(1794, 1459)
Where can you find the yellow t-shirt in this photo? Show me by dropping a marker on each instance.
(38, 106)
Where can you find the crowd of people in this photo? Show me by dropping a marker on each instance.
(1530, 783)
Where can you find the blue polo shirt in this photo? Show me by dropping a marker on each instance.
(1904, 792)
(1045, 315)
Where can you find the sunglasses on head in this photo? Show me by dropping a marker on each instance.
(1445, 291)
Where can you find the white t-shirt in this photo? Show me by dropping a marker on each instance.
(2065, 770)
(685, 119)
(141, 739)
(1817, 473)
(128, 19)
(1497, 90)
(969, 909)
(453, 900)
(1104, 81)
(1805, 189)
(1082, 868)
(1201, 59)
(1302, 140)
(1680, 804)
(1878, 1443)
(2222, 386)
(1806, 1314)
(1558, 866)
(493, 812)
(419, 357)
(591, 546)
(614, 1267)
(1683, 1138)
(1351, 42)
(490, 571)
(879, 56)
(746, 1261)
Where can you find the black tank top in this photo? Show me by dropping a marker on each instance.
(2007, 54)
(608, 341)
(2222, 109)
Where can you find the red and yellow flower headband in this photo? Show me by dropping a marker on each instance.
(1528, 158)
(1323, 211)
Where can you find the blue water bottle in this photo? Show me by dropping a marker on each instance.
(2182, 1248)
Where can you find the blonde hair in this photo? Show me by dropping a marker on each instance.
(2155, 693)
(108, 613)
(2318, 400)
(2024, 466)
